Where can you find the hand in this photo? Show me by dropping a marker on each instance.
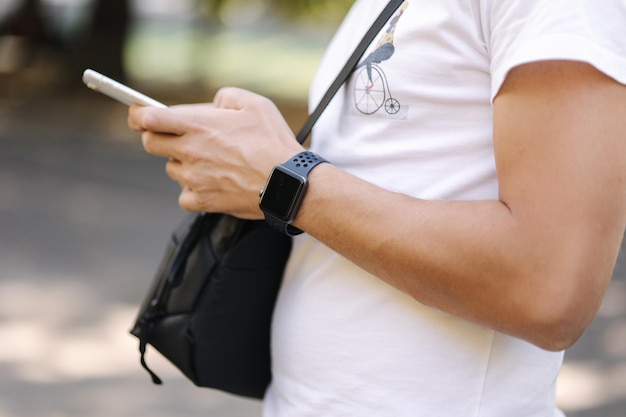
(222, 153)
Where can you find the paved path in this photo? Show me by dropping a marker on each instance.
(84, 214)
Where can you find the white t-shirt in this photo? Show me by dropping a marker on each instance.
(345, 343)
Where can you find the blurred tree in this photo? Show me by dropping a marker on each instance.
(25, 20)
(97, 43)
(102, 46)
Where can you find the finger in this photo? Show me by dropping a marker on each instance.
(162, 120)
(174, 170)
(160, 144)
(187, 200)
(133, 118)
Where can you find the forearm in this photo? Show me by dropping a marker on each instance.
(473, 259)
(533, 263)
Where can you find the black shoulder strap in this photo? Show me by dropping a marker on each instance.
(352, 62)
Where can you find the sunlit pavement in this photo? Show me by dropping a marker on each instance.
(84, 215)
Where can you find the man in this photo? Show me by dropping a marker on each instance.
(454, 249)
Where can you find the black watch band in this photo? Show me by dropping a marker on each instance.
(296, 168)
(304, 162)
(286, 228)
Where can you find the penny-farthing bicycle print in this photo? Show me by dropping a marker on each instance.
(371, 88)
(371, 91)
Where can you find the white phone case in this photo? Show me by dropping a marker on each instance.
(116, 90)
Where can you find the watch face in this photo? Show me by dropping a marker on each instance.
(282, 194)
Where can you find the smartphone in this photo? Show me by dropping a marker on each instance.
(116, 90)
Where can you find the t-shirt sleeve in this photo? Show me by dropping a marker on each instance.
(524, 31)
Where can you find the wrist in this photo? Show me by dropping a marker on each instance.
(286, 187)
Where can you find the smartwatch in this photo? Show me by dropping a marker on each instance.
(285, 189)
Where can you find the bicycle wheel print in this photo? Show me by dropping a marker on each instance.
(369, 97)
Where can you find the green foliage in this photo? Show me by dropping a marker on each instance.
(321, 10)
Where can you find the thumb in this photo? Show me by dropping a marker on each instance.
(234, 98)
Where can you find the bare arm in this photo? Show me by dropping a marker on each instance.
(533, 264)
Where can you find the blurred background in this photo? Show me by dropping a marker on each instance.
(84, 213)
